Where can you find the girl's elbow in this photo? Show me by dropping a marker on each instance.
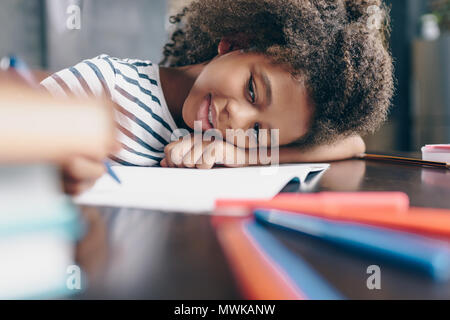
(359, 145)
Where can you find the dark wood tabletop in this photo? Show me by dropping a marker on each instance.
(141, 254)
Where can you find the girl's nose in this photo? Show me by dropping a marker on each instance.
(238, 115)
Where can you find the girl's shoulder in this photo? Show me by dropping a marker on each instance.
(101, 75)
(126, 61)
(130, 70)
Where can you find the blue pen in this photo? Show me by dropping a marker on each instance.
(428, 255)
(111, 172)
(22, 70)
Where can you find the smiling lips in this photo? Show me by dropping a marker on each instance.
(207, 113)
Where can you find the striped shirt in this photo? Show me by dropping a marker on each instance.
(144, 122)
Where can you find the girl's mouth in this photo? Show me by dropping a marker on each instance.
(210, 117)
(207, 113)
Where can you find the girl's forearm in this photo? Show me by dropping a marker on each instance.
(342, 149)
(345, 148)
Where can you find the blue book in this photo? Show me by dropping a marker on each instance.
(428, 255)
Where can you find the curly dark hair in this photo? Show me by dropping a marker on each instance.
(334, 46)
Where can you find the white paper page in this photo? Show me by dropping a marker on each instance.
(191, 190)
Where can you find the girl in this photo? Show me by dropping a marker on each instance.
(317, 71)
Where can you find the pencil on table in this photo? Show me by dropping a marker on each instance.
(411, 161)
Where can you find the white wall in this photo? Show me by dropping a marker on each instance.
(21, 30)
(120, 28)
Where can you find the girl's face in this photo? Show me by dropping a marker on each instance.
(240, 90)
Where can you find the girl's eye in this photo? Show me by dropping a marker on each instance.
(256, 128)
(251, 89)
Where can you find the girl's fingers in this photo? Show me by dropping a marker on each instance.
(233, 156)
(77, 187)
(189, 160)
(163, 163)
(181, 150)
(80, 174)
(208, 159)
(188, 153)
(168, 152)
(175, 151)
(194, 155)
(83, 169)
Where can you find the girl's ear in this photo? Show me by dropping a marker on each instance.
(224, 47)
(232, 43)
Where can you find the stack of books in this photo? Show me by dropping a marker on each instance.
(39, 225)
(38, 229)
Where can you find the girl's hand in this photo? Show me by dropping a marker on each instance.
(80, 173)
(188, 153)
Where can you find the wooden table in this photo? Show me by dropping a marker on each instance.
(131, 253)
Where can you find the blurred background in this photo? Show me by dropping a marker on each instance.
(42, 32)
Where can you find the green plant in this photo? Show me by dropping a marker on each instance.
(441, 9)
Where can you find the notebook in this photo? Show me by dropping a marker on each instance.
(191, 190)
